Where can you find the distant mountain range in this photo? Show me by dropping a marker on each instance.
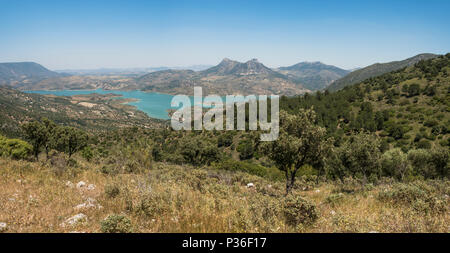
(313, 75)
(127, 71)
(23, 73)
(375, 70)
(228, 77)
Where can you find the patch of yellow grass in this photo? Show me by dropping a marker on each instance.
(182, 199)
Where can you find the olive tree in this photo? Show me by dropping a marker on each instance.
(300, 142)
(36, 135)
(395, 164)
(359, 155)
(70, 140)
(50, 129)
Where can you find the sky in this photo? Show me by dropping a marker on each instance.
(132, 34)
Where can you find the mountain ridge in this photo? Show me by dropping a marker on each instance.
(377, 69)
(16, 73)
(313, 75)
(227, 77)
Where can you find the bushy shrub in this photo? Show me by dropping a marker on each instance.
(109, 170)
(72, 162)
(14, 148)
(306, 182)
(153, 205)
(420, 196)
(112, 190)
(335, 199)
(432, 163)
(198, 151)
(254, 169)
(245, 149)
(299, 211)
(225, 140)
(87, 153)
(359, 155)
(395, 164)
(349, 185)
(424, 144)
(116, 224)
(132, 166)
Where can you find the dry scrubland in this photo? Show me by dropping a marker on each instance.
(36, 197)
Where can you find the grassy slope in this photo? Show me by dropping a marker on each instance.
(182, 199)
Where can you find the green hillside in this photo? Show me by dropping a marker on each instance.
(89, 112)
(375, 70)
(408, 108)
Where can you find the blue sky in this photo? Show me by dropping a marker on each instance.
(94, 34)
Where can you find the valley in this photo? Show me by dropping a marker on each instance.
(371, 157)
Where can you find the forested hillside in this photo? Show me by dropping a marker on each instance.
(408, 108)
(375, 70)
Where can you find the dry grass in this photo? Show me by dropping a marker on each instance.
(171, 198)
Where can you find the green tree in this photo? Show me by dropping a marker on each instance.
(300, 142)
(197, 151)
(359, 155)
(421, 162)
(49, 128)
(395, 164)
(246, 149)
(37, 136)
(413, 90)
(70, 140)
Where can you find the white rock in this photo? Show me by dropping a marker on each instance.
(81, 184)
(250, 185)
(91, 187)
(91, 200)
(84, 206)
(90, 203)
(317, 191)
(3, 227)
(69, 184)
(74, 219)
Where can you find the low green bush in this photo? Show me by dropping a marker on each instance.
(116, 224)
(334, 199)
(15, 148)
(299, 211)
(112, 190)
(250, 168)
(420, 196)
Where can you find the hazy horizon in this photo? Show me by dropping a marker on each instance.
(82, 35)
